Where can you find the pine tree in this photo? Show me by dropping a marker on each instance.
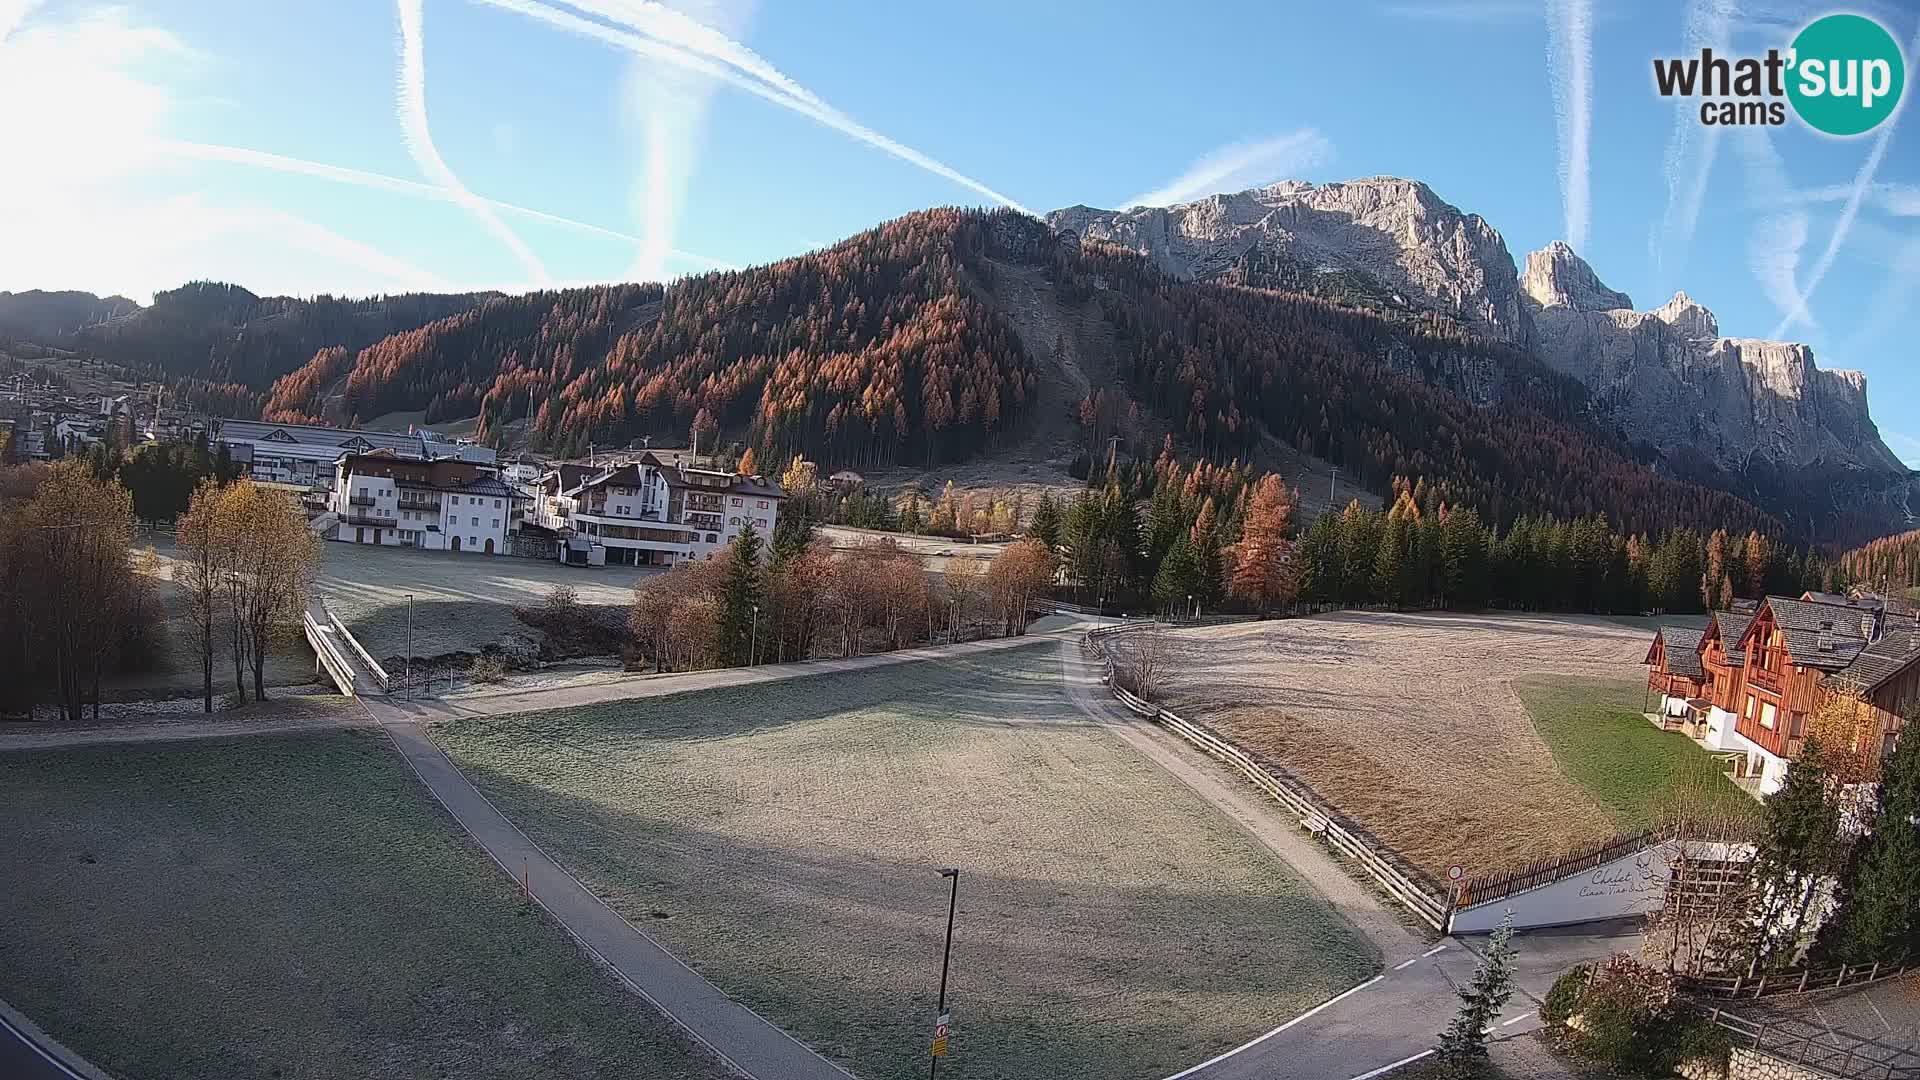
(1045, 526)
(1482, 999)
(1204, 542)
(1463, 558)
(1390, 569)
(1799, 844)
(1877, 914)
(1176, 580)
(740, 597)
(1319, 556)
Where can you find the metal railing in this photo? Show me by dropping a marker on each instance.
(1316, 818)
(373, 666)
(1819, 1050)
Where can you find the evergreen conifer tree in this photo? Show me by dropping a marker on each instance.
(1877, 916)
(1482, 999)
(740, 595)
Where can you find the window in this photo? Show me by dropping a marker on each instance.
(454, 499)
(737, 501)
(496, 523)
(712, 539)
(496, 504)
(476, 522)
(763, 504)
(1768, 716)
(1798, 725)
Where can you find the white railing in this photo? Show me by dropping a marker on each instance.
(324, 652)
(373, 666)
(1315, 818)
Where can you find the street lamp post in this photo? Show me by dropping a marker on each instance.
(753, 647)
(1192, 612)
(409, 646)
(953, 895)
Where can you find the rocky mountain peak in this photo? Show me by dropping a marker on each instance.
(1687, 318)
(1384, 239)
(1556, 277)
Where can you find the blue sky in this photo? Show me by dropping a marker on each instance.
(370, 146)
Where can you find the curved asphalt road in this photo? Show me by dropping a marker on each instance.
(26, 1053)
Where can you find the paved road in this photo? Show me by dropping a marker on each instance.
(27, 1053)
(1397, 1015)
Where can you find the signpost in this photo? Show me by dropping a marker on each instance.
(944, 1024)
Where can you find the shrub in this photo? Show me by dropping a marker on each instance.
(563, 600)
(1629, 1019)
(1563, 998)
(489, 668)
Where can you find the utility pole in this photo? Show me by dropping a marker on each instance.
(941, 1025)
(1330, 482)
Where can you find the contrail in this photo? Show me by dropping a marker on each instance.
(1235, 167)
(1862, 183)
(374, 181)
(805, 104)
(13, 13)
(1570, 62)
(412, 108)
(1708, 24)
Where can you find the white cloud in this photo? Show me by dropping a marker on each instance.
(1899, 200)
(411, 87)
(1242, 165)
(13, 13)
(1570, 65)
(808, 105)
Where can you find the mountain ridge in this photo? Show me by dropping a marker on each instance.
(1756, 417)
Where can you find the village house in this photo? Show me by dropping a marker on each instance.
(642, 511)
(440, 504)
(1674, 671)
(1762, 676)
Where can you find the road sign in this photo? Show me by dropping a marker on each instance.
(1456, 872)
(941, 1028)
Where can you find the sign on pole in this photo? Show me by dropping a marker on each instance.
(941, 1028)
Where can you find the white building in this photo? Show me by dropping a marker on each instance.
(442, 504)
(303, 454)
(645, 512)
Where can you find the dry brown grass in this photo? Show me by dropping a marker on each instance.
(1408, 723)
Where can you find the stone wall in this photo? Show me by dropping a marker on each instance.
(1745, 1064)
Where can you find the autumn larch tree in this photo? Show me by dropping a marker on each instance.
(1262, 571)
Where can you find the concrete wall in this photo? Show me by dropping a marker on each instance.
(1631, 885)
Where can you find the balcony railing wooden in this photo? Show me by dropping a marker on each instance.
(1764, 679)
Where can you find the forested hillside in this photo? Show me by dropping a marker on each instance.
(214, 333)
(1891, 562)
(871, 352)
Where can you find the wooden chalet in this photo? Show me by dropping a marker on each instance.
(1798, 650)
(1674, 671)
(1725, 665)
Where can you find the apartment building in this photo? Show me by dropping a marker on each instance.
(306, 455)
(440, 504)
(643, 511)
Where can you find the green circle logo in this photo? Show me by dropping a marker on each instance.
(1847, 74)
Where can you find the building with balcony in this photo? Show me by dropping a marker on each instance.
(306, 455)
(1798, 651)
(440, 504)
(1674, 671)
(642, 511)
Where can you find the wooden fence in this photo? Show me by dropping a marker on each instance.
(1805, 980)
(1398, 881)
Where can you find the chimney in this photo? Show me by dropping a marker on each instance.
(1826, 641)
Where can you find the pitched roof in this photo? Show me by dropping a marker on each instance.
(1733, 626)
(1683, 650)
(1826, 636)
(1895, 652)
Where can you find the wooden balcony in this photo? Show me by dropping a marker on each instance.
(361, 500)
(1761, 678)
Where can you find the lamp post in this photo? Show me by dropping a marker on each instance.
(753, 647)
(953, 895)
(409, 646)
(1192, 612)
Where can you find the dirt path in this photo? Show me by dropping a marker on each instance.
(278, 717)
(1259, 815)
